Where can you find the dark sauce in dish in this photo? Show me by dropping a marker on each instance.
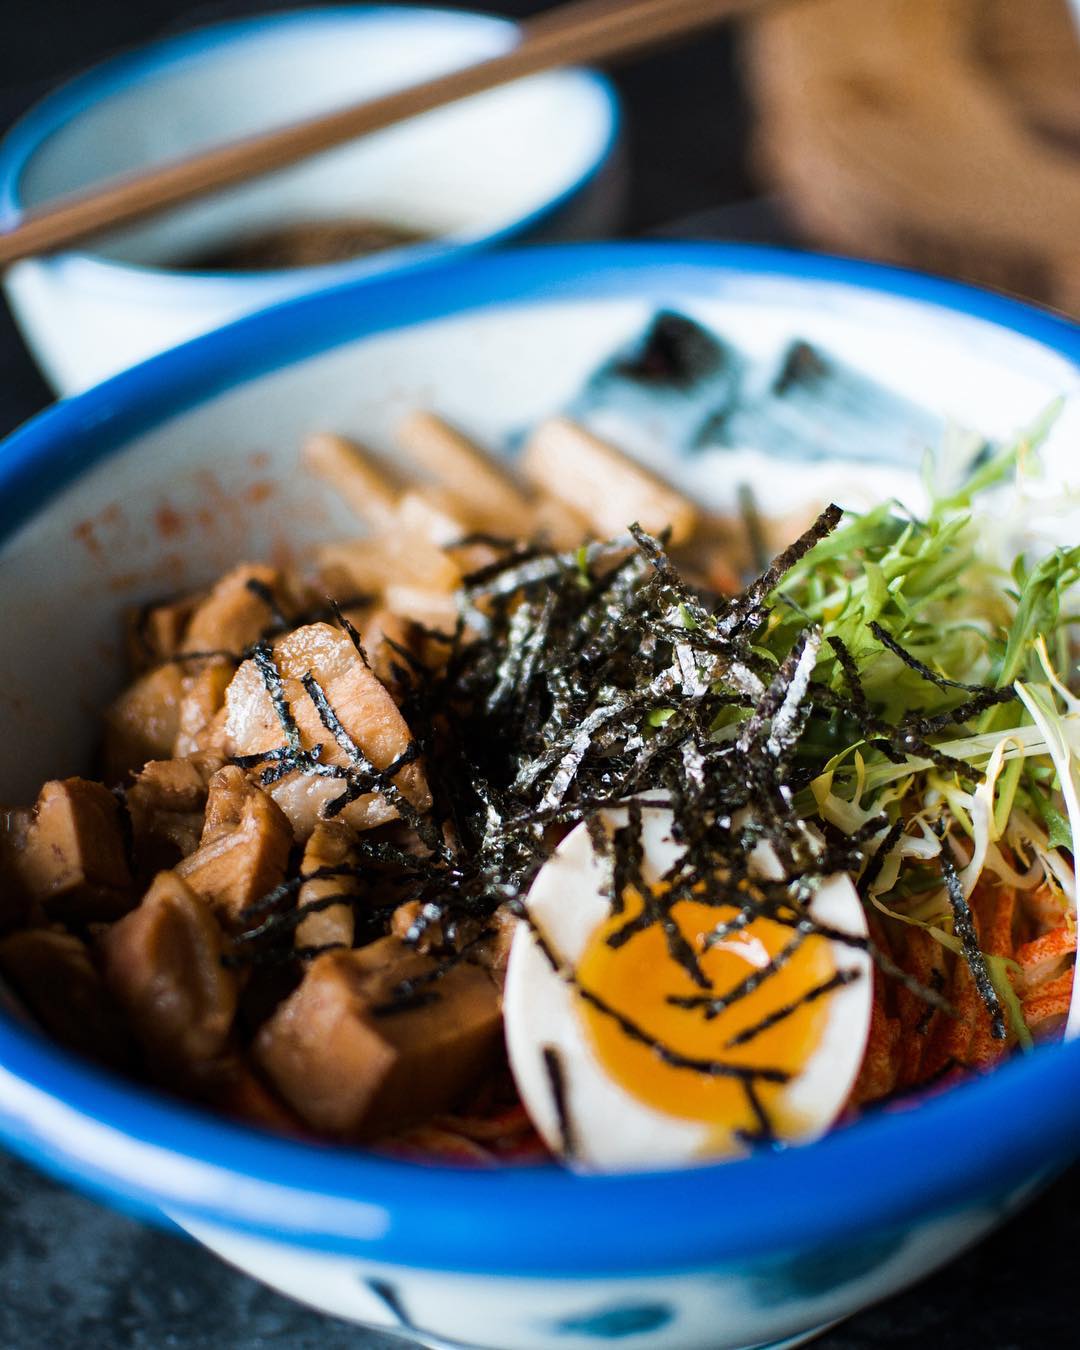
(302, 244)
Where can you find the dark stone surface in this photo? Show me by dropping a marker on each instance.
(73, 1275)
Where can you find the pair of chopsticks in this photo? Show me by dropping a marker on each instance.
(570, 34)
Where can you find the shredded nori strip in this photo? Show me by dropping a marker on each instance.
(627, 855)
(211, 654)
(370, 851)
(556, 1075)
(746, 607)
(263, 656)
(837, 980)
(763, 1135)
(309, 953)
(880, 858)
(931, 676)
(279, 621)
(712, 1005)
(416, 991)
(964, 928)
(963, 712)
(861, 707)
(896, 743)
(360, 776)
(346, 623)
(293, 918)
(783, 709)
(730, 927)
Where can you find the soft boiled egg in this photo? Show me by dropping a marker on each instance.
(623, 1061)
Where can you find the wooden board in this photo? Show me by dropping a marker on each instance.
(944, 134)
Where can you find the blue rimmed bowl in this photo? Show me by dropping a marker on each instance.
(160, 477)
(533, 160)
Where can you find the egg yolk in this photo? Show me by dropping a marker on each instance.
(639, 978)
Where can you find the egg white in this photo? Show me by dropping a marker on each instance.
(610, 1129)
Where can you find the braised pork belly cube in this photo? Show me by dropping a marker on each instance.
(142, 724)
(424, 930)
(167, 807)
(163, 964)
(410, 923)
(487, 494)
(202, 696)
(366, 566)
(211, 740)
(386, 637)
(155, 632)
(586, 474)
(368, 485)
(329, 848)
(53, 973)
(237, 612)
(356, 1061)
(394, 641)
(367, 725)
(430, 609)
(72, 860)
(244, 848)
(493, 951)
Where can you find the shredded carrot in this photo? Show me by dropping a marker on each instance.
(1050, 1003)
(994, 908)
(877, 1077)
(1042, 958)
(924, 960)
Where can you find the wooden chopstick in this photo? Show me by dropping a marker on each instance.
(570, 34)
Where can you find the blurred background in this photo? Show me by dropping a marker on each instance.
(940, 133)
(686, 116)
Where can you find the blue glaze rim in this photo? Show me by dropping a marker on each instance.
(891, 1169)
(65, 103)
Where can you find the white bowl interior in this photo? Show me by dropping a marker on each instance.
(220, 482)
(468, 170)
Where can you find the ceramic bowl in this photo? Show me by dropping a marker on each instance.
(161, 477)
(535, 159)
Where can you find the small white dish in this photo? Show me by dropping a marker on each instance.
(534, 159)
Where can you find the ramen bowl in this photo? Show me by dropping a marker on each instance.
(532, 160)
(158, 479)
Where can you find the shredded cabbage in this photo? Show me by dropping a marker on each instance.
(920, 619)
